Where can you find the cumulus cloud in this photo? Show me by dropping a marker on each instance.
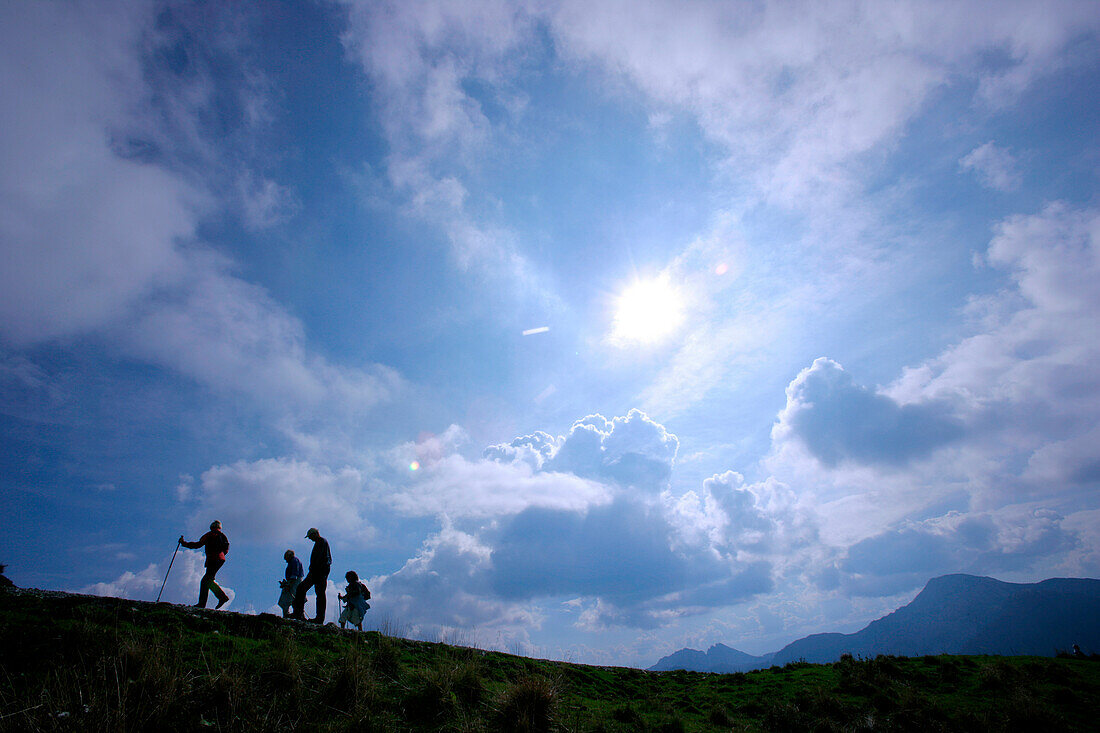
(632, 450)
(620, 552)
(1002, 417)
(182, 585)
(447, 583)
(1010, 540)
(271, 500)
(838, 420)
(586, 516)
(572, 472)
(618, 560)
(1006, 414)
(995, 167)
(745, 523)
(457, 487)
(626, 558)
(1026, 378)
(533, 450)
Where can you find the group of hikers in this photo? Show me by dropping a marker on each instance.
(294, 585)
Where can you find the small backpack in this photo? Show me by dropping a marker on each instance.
(364, 591)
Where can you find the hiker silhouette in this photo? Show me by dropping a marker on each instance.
(217, 545)
(320, 562)
(356, 601)
(290, 582)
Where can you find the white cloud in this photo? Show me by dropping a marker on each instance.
(970, 461)
(617, 561)
(447, 584)
(100, 239)
(181, 586)
(420, 53)
(85, 235)
(632, 450)
(995, 167)
(1072, 463)
(264, 202)
(456, 487)
(1026, 380)
(422, 57)
(274, 500)
(584, 516)
(232, 336)
(534, 450)
(802, 87)
(1015, 539)
(1003, 415)
(838, 420)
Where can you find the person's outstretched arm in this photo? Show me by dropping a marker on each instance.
(193, 545)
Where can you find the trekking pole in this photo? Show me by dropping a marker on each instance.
(168, 571)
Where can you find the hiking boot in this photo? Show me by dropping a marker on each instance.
(221, 603)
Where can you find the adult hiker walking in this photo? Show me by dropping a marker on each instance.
(320, 562)
(289, 584)
(217, 545)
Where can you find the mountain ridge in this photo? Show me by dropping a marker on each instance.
(718, 658)
(953, 614)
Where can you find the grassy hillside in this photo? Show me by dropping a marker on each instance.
(72, 662)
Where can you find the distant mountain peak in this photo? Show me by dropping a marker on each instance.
(952, 614)
(718, 658)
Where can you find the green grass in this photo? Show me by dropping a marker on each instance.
(81, 663)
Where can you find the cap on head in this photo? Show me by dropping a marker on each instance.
(312, 533)
(288, 554)
(215, 524)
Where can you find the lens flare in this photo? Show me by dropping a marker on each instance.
(414, 466)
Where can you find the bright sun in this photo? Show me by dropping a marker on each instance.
(647, 312)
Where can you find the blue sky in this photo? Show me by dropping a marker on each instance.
(588, 329)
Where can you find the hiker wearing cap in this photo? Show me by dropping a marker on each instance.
(320, 561)
(289, 584)
(217, 545)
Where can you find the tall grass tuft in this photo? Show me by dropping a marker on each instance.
(352, 687)
(430, 698)
(385, 656)
(528, 705)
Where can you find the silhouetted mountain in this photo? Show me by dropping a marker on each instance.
(965, 614)
(954, 614)
(719, 658)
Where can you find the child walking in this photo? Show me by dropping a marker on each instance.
(356, 601)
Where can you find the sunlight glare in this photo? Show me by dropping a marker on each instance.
(647, 312)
